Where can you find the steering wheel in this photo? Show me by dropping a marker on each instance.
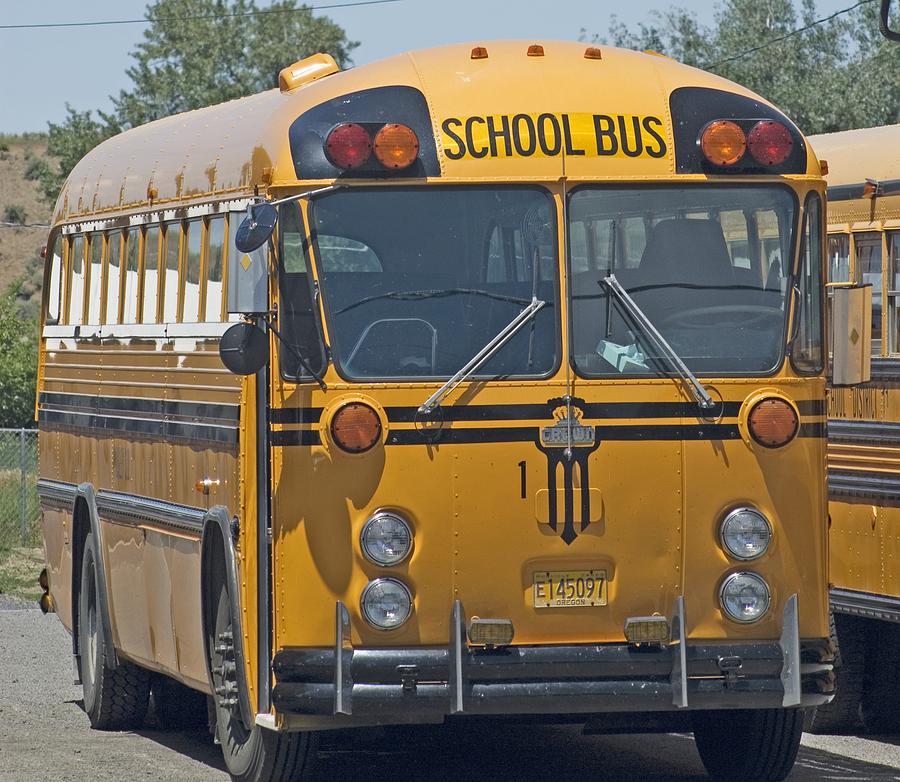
(721, 314)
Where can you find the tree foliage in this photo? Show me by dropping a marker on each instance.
(836, 75)
(18, 370)
(196, 53)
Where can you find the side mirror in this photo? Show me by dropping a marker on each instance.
(244, 349)
(852, 334)
(256, 228)
(886, 31)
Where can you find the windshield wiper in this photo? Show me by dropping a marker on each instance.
(434, 293)
(483, 355)
(637, 314)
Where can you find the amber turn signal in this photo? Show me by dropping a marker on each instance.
(492, 633)
(723, 143)
(356, 427)
(773, 422)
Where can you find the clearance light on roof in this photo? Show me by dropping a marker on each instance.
(348, 146)
(770, 143)
(479, 53)
(723, 143)
(535, 50)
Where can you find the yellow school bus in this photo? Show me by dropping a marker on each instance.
(863, 426)
(482, 381)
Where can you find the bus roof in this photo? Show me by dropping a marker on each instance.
(231, 149)
(856, 155)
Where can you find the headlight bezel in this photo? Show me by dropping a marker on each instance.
(754, 577)
(365, 614)
(723, 541)
(377, 517)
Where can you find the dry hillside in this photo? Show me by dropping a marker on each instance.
(19, 246)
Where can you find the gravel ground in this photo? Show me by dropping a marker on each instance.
(44, 735)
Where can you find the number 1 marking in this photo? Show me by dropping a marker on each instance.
(523, 480)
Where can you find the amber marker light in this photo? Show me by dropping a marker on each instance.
(396, 146)
(535, 50)
(356, 428)
(479, 53)
(348, 146)
(773, 422)
(593, 53)
(770, 143)
(723, 143)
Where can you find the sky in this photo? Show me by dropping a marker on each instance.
(43, 69)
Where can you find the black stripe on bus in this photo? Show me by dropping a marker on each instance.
(866, 486)
(879, 433)
(854, 191)
(163, 408)
(152, 428)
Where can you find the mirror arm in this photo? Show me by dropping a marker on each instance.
(299, 196)
(296, 354)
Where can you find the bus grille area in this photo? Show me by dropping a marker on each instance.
(427, 684)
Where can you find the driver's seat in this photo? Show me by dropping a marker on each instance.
(685, 265)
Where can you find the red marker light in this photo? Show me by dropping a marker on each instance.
(770, 143)
(348, 146)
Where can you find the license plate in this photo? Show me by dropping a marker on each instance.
(569, 588)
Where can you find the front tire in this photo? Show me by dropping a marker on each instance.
(114, 698)
(256, 755)
(758, 745)
(881, 687)
(842, 715)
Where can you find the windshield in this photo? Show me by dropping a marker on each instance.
(708, 266)
(416, 281)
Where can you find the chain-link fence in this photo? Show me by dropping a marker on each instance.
(19, 507)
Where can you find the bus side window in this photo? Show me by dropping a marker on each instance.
(130, 295)
(868, 271)
(55, 286)
(215, 262)
(170, 272)
(737, 237)
(76, 280)
(190, 309)
(806, 353)
(839, 258)
(151, 275)
(113, 276)
(95, 279)
(771, 252)
(893, 245)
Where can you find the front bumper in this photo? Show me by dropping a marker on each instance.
(426, 684)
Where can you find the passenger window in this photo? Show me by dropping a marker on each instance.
(55, 286)
(347, 255)
(151, 275)
(194, 247)
(113, 276)
(76, 275)
(215, 261)
(95, 279)
(839, 258)
(806, 353)
(893, 243)
(868, 271)
(170, 278)
(132, 254)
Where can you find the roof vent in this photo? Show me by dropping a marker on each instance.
(306, 71)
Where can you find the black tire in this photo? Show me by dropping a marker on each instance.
(881, 686)
(114, 699)
(175, 706)
(842, 715)
(768, 740)
(256, 755)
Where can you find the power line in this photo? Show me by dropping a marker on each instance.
(784, 37)
(151, 20)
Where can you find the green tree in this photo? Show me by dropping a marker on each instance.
(196, 53)
(18, 370)
(833, 75)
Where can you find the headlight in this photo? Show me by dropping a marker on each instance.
(386, 603)
(385, 539)
(746, 533)
(744, 597)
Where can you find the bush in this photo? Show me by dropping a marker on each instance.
(36, 169)
(14, 214)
